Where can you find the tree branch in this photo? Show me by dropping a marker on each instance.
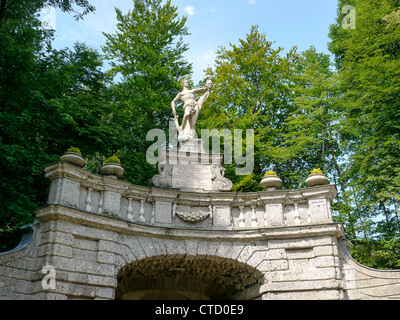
(4, 7)
(11, 3)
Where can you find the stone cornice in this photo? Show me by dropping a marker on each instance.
(53, 213)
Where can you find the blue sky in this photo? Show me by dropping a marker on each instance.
(215, 23)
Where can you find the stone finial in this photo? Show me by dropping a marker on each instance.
(271, 181)
(316, 178)
(112, 168)
(73, 156)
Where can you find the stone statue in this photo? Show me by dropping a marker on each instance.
(164, 178)
(191, 108)
(220, 183)
(189, 166)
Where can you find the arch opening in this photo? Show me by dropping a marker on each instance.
(187, 278)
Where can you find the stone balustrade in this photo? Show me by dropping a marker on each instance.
(79, 189)
(108, 239)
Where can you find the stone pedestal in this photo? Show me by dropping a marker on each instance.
(191, 168)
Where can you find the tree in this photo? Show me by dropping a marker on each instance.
(146, 56)
(252, 91)
(368, 61)
(312, 134)
(19, 8)
(49, 101)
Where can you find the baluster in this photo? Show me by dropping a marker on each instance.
(285, 221)
(232, 219)
(141, 212)
(254, 222)
(89, 200)
(265, 216)
(242, 221)
(130, 210)
(296, 214)
(153, 214)
(101, 203)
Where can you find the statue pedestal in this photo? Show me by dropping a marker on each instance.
(190, 168)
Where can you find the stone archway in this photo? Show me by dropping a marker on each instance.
(187, 278)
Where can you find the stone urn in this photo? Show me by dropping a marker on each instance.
(271, 182)
(73, 158)
(112, 170)
(316, 179)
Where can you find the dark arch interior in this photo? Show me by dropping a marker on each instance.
(187, 278)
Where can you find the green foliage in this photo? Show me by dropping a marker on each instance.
(316, 171)
(146, 52)
(270, 173)
(14, 9)
(309, 133)
(249, 183)
(379, 254)
(367, 58)
(113, 159)
(251, 92)
(49, 100)
(75, 150)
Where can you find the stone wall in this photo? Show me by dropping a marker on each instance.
(77, 188)
(363, 283)
(89, 252)
(108, 239)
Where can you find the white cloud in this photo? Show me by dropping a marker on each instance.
(251, 1)
(189, 10)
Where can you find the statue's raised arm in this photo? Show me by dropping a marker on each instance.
(191, 108)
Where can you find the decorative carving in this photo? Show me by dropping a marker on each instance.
(220, 183)
(164, 178)
(193, 216)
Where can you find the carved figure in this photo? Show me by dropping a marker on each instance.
(164, 179)
(191, 108)
(220, 183)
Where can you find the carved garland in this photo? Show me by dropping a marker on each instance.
(193, 217)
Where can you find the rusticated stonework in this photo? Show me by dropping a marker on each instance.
(108, 239)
